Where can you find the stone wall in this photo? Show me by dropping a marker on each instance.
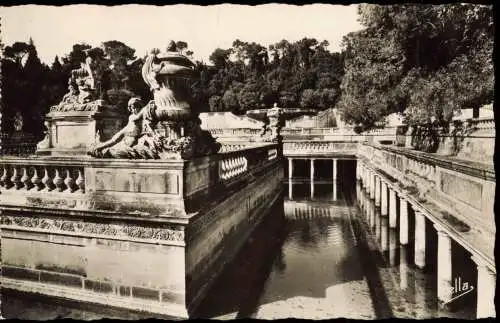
(140, 235)
(456, 192)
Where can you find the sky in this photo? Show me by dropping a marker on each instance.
(54, 30)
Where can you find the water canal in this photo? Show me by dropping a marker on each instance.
(321, 252)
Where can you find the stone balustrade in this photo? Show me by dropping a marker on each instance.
(232, 166)
(463, 189)
(319, 148)
(234, 132)
(230, 146)
(36, 175)
(272, 154)
(483, 123)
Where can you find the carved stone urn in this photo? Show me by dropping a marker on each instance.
(165, 128)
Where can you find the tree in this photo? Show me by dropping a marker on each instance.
(215, 103)
(426, 60)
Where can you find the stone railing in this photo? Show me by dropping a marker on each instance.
(17, 144)
(232, 165)
(272, 154)
(319, 147)
(41, 175)
(236, 145)
(88, 184)
(387, 135)
(234, 132)
(462, 188)
(237, 163)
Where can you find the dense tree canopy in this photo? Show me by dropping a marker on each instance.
(423, 60)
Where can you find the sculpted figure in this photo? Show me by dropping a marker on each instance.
(137, 131)
(71, 96)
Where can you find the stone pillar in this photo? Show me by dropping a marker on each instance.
(334, 190)
(403, 267)
(444, 266)
(312, 190)
(392, 247)
(372, 185)
(419, 239)
(378, 222)
(384, 210)
(312, 170)
(335, 169)
(384, 237)
(290, 190)
(290, 168)
(486, 284)
(392, 208)
(403, 221)
(377, 191)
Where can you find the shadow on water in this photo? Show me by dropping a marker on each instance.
(300, 250)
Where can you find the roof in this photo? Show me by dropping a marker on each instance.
(227, 120)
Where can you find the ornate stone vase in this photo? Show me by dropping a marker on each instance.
(169, 76)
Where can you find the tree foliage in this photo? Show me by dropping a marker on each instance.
(423, 60)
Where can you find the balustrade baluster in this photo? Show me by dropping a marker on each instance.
(25, 179)
(58, 181)
(80, 181)
(69, 182)
(16, 179)
(36, 180)
(47, 181)
(4, 179)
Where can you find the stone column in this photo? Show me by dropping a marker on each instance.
(312, 190)
(335, 169)
(372, 185)
(403, 221)
(392, 247)
(444, 266)
(312, 170)
(334, 190)
(290, 190)
(392, 208)
(403, 267)
(486, 284)
(419, 239)
(290, 168)
(377, 191)
(384, 210)
(384, 237)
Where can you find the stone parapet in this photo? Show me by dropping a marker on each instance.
(143, 235)
(309, 148)
(457, 193)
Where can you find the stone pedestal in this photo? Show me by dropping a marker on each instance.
(420, 242)
(74, 132)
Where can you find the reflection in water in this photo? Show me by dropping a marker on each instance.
(316, 255)
(413, 292)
